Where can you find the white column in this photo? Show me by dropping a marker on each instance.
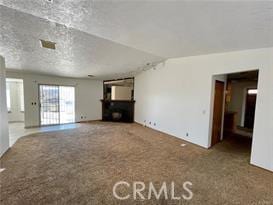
(4, 130)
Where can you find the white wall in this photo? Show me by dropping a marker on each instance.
(15, 114)
(4, 131)
(121, 93)
(238, 99)
(87, 93)
(177, 97)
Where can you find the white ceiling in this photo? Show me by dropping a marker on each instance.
(77, 53)
(114, 38)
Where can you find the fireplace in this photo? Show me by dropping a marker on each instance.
(118, 110)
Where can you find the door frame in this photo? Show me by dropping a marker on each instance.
(39, 104)
(215, 77)
(23, 93)
(219, 77)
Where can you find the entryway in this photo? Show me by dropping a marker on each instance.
(234, 101)
(15, 106)
(57, 104)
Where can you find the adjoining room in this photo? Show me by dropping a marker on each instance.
(16, 107)
(235, 98)
(241, 96)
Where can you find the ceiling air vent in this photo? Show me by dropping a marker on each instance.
(48, 44)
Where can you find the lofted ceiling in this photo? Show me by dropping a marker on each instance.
(116, 38)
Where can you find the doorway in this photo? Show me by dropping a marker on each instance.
(234, 109)
(15, 107)
(250, 106)
(57, 104)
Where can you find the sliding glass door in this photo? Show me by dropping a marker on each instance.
(67, 104)
(57, 104)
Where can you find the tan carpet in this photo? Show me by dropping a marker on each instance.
(80, 166)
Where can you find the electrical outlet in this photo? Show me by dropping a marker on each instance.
(187, 134)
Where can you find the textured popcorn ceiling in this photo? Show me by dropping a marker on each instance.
(115, 38)
(77, 53)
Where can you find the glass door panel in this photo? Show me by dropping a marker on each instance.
(57, 104)
(49, 104)
(67, 104)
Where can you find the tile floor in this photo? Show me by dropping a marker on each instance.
(17, 130)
